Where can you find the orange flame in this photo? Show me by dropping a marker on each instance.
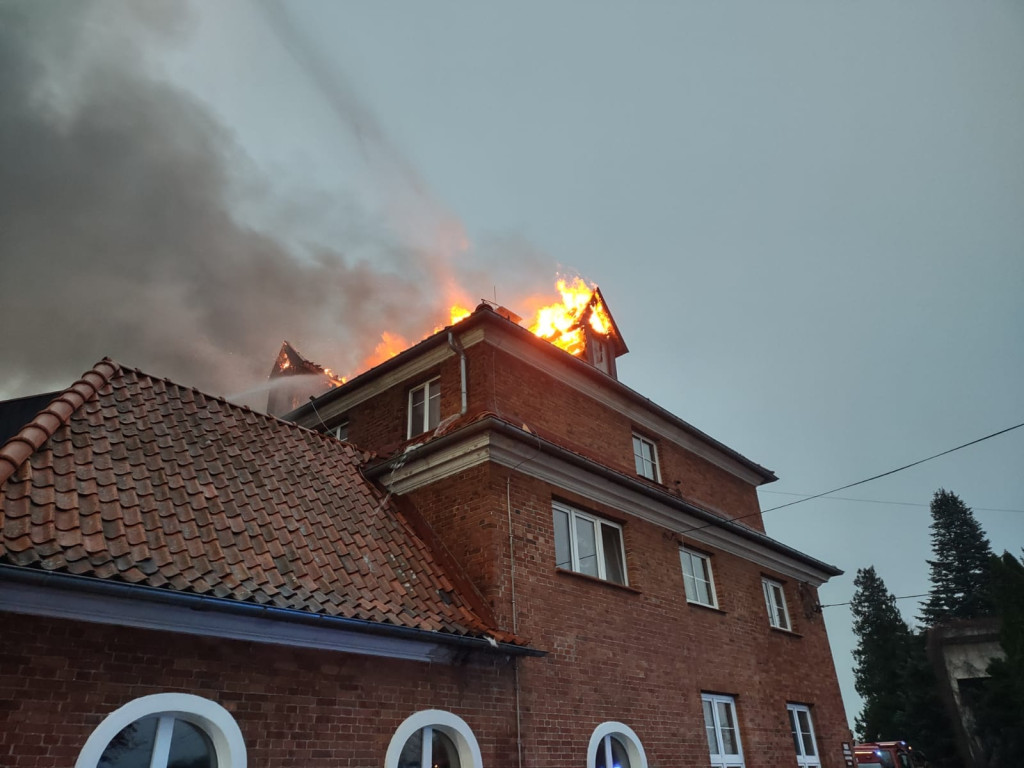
(562, 323)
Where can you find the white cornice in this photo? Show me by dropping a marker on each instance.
(416, 472)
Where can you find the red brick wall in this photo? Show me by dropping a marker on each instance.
(295, 707)
(521, 394)
(642, 655)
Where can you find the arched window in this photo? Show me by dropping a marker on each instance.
(615, 745)
(165, 730)
(433, 738)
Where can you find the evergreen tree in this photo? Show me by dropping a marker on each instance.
(999, 707)
(883, 646)
(894, 676)
(960, 571)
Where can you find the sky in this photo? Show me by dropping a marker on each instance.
(806, 218)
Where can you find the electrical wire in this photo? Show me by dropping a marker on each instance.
(904, 597)
(884, 501)
(894, 471)
(859, 482)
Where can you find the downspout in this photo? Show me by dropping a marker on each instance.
(458, 349)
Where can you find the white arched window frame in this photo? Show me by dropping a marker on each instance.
(625, 735)
(452, 726)
(211, 717)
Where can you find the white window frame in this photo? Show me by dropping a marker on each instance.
(602, 566)
(642, 464)
(774, 600)
(418, 429)
(687, 555)
(626, 736)
(722, 759)
(803, 760)
(453, 726)
(340, 431)
(215, 721)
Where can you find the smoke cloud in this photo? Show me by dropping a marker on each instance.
(119, 232)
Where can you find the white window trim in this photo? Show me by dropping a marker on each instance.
(212, 718)
(711, 576)
(337, 429)
(425, 386)
(451, 725)
(772, 606)
(626, 735)
(724, 759)
(602, 570)
(655, 463)
(802, 760)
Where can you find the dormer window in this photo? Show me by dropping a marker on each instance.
(424, 407)
(646, 457)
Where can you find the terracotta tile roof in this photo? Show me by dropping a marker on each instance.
(133, 478)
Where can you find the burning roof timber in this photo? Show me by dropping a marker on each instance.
(579, 324)
(305, 379)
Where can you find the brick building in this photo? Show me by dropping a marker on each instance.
(483, 552)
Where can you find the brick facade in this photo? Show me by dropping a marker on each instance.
(295, 707)
(638, 654)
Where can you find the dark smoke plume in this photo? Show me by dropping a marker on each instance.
(118, 234)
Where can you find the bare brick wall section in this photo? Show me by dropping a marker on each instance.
(642, 655)
(522, 394)
(295, 707)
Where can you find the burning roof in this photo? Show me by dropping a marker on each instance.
(579, 323)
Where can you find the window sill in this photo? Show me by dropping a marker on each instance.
(705, 607)
(595, 580)
(781, 631)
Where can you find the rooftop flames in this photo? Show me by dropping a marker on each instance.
(562, 323)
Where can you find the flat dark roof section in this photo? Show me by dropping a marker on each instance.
(16, 413)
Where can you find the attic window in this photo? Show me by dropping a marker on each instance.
(645, 454)
(424, 407)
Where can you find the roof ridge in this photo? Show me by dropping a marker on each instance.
(31, 437)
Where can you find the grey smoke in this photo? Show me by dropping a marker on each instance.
(119, 232)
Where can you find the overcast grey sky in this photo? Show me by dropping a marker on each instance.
(805, 217)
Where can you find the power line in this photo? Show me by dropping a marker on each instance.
(860, 482)
(904, 597)
(894, 471)
(882, 501)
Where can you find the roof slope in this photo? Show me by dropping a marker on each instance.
(128, 477)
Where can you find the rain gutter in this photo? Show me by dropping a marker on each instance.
(124, 590)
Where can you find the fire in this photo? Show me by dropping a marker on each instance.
(459, 313)
(562, 323)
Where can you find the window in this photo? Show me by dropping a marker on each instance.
(803, 736)
(424, 407)
(614, 745)
(700, 586)
(587, 544)
(165, 730)
(433, 739)
(722, 731)
(775, 601)
(340, 431)
(646, 457)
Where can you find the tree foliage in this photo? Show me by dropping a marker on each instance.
(960, 570)
(999, 708)
(893, 675)
(883, 642)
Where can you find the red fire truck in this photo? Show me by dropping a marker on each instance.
(887, 754)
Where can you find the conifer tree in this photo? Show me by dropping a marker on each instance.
(960, 572)
(883, 647)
